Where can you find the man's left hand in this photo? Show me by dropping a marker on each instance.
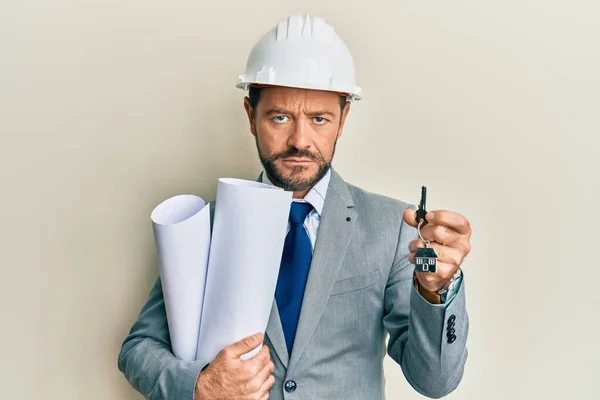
(450, 236)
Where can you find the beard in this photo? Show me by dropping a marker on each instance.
(294, 182)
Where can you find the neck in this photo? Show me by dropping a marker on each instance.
(301, 194)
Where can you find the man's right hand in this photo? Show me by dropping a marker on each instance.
(229, 377)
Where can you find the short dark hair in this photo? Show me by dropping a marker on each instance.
(254, 96)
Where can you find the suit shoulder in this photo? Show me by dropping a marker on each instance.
(370, 201)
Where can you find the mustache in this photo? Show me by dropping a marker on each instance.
(297, 153)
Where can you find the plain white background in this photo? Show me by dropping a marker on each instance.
(109, 107)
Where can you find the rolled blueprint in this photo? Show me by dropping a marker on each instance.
(181, 228)
(249, 229)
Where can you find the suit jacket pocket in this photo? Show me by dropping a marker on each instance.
(355, 283)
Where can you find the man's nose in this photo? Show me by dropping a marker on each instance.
(300, 137)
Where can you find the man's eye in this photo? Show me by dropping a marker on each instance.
(280, 118)
(320, 120)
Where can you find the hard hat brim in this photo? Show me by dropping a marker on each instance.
(246, 86)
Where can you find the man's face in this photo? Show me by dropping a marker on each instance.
(296, 131)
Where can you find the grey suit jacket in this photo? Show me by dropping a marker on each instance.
(359, 289)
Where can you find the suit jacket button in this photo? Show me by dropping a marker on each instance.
(451, 319)
(451, 339)
(451, 332)
(290, 386)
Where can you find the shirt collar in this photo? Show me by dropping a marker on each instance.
(315, 196)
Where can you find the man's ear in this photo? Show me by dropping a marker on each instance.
(345, 113)
(251, 115)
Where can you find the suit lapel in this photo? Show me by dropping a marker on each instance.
(335, 230)
(275, 334)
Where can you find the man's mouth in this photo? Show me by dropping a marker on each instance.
(297, 160)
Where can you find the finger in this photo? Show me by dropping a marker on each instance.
(410, 217)
(416, 244)
(443, 272)
(438, 234)
(449, 219)
(441, 234)
(446, 254)
(264, 356)
(246, 345)
(266, 386)
(263, 377)
(257, 385)
(256, 363)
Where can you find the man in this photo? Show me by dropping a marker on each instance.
(347, 275)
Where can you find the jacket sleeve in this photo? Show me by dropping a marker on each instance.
(421, 334)
(146, 357)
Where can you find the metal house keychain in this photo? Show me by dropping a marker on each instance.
(425, 257)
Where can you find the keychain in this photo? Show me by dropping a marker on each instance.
(425, 257)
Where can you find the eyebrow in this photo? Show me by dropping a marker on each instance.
(318, 113)
(276, 111)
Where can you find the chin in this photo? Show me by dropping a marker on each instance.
(300, 172)
(298, 177)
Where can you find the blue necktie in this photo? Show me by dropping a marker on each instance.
(293, 272)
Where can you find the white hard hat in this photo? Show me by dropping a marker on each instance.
(301, 52)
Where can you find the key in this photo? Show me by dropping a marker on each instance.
(425, 258)
(421, 212)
